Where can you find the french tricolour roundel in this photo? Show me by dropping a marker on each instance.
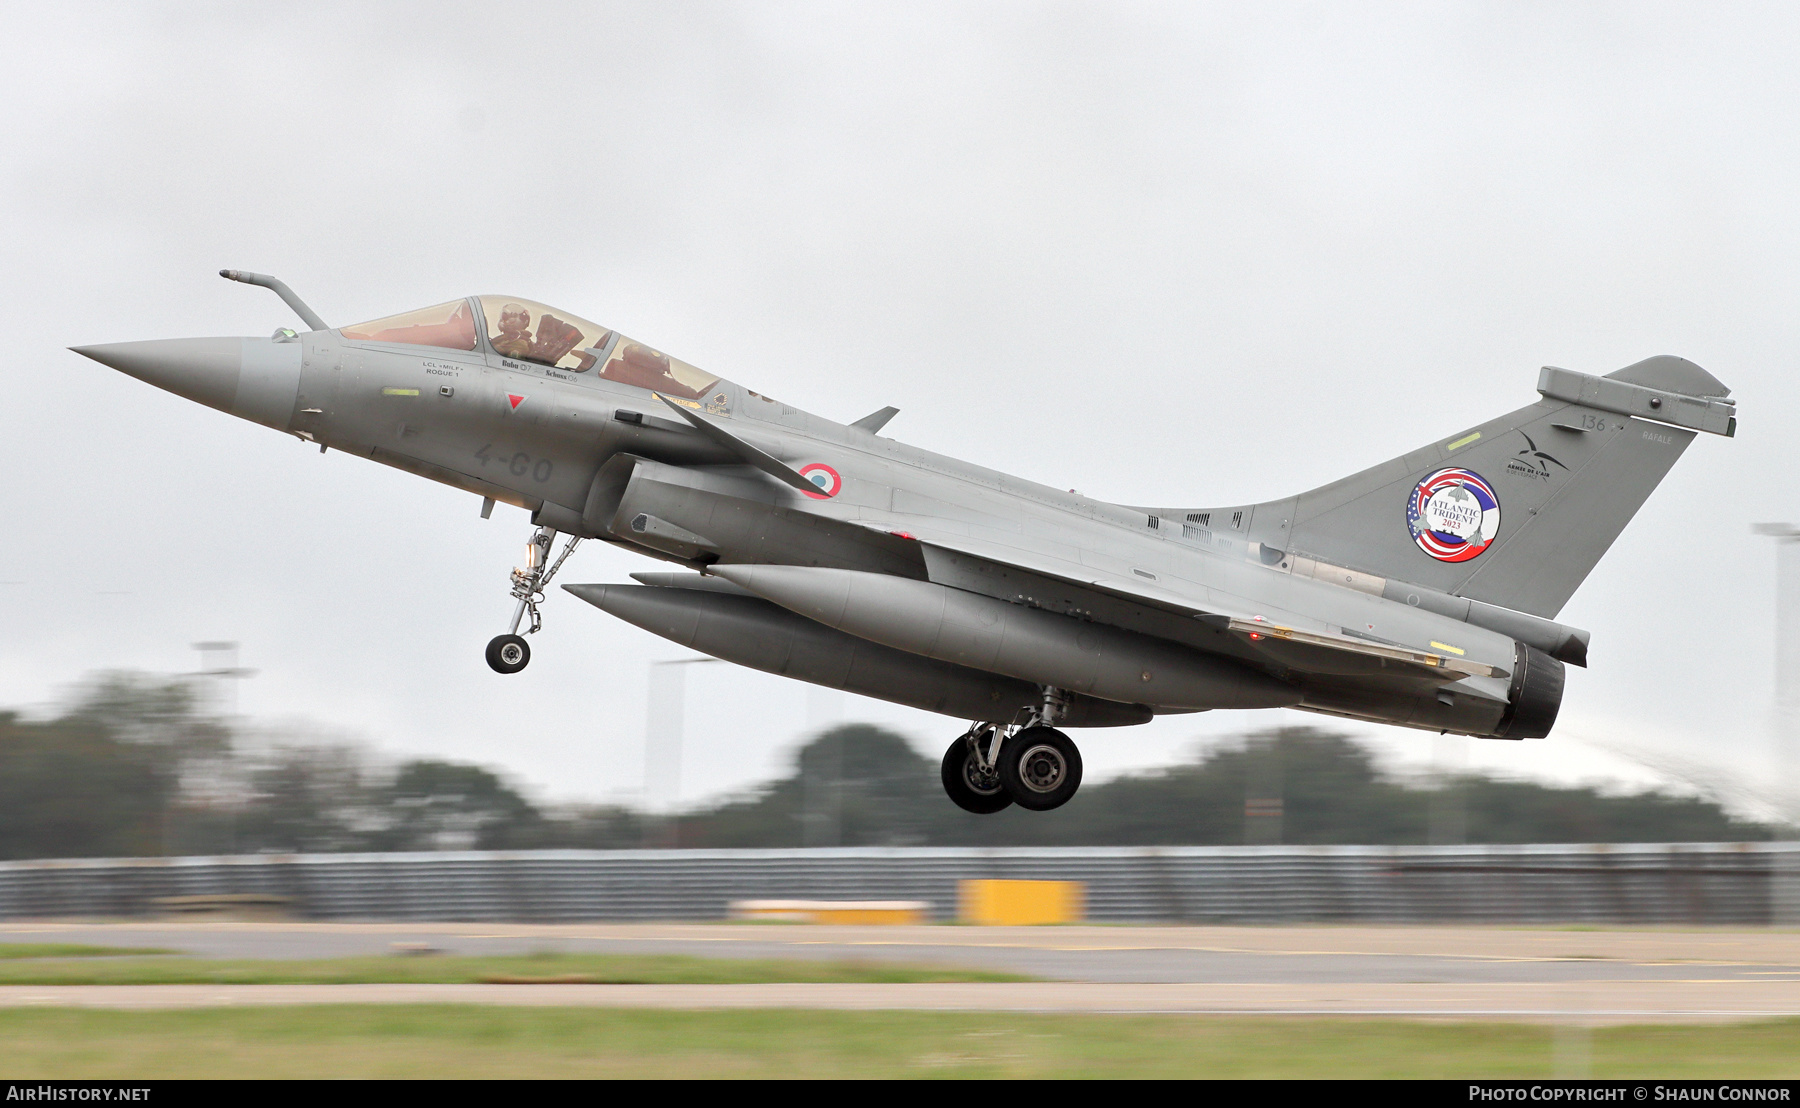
(823, 476)
(1453, 514)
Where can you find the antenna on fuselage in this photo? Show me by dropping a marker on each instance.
(310, 317)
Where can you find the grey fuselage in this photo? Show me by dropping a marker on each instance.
(961, 587)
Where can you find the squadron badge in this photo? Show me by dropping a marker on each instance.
(1453, 515)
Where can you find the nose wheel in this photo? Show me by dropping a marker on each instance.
(509, 653)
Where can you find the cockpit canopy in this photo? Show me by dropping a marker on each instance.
(527, 331)
(446, 325)
(532, 332)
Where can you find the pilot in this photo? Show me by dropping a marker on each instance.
(514, 340)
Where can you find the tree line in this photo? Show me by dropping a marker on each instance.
(862, 786)
(138, 765)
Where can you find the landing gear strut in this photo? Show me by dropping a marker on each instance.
(510, 653)
(993, 766)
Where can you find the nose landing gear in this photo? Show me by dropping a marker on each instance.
(993, 766)
(510, 653)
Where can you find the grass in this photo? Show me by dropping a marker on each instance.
(548, 968)
(461, 1041)
(73, 950)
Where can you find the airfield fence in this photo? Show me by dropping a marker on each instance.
(1686, 883)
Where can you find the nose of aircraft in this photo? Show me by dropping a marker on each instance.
(206, 370)
(254, 378)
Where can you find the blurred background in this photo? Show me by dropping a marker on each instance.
(1162, 253)
(135, 764)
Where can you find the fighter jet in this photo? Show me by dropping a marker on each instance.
(1422, 592)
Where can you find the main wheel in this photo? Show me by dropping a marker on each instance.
(970, 787)
(1040, 768)
(508, 653)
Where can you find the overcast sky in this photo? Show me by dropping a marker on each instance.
(1168, 254)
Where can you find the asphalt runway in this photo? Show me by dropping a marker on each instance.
(1561, 1002)
(1465, 972)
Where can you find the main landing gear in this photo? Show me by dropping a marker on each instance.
(510, 653)
(992, 766)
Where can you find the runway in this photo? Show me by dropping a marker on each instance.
(1432, 972)
(1598, 1003)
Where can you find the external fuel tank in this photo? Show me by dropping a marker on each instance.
(994, 636)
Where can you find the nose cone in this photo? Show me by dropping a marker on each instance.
(258, 379)
(205, 370)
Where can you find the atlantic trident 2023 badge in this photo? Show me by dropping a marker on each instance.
(1453, 514)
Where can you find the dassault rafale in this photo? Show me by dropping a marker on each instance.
(1421, 592)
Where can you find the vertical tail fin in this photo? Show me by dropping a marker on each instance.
(1515, 512)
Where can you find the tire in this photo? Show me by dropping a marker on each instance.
(508, 653)
(1040, 768)
(962, 781)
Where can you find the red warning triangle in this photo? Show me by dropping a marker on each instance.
(516, 400)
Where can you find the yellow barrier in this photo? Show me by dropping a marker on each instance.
(832, 911)
(1016, 903)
